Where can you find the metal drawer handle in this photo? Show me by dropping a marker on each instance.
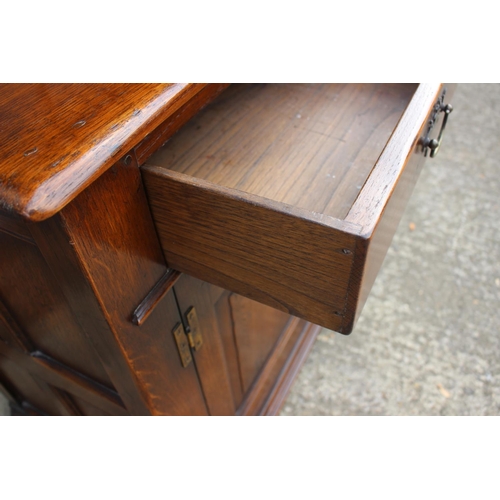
(434, 144)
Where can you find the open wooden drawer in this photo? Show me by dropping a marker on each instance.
(291, 194)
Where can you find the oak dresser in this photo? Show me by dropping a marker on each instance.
(174, 249)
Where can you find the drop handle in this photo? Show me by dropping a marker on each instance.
(434, 144)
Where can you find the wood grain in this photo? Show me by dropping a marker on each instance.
(249, 195)
(309, 146)
(257, 328)
(113, 237)
(57, 248)
(284, 380)
(269, 390)
(288, 258)
(163, 132)
(370, 204)
(68, 401)
(36, 309)
(153, 298)
(222, 191)
(75, 378)
(210, 360)
(35, 396)
(48, 371)
(225, 324)
(58, 138)
(88, 409)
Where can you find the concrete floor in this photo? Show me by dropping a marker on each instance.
(428, 341)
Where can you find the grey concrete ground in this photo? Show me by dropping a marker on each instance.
(428, 340)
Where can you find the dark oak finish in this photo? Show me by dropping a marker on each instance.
(88, 409)
(121, 259)
(250, 353)
(269, 390)
(35, 308)
(70, 375)
(48, 371)
(34, 397)
(58, 138)
(294, 361)
(210, 359)
(56, 245)
(286, 194)
(256, 331)
(153, 298)
(226, 325)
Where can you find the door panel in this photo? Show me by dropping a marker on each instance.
(226, 327)
(239, 335)
(256, 330)
(210, 359)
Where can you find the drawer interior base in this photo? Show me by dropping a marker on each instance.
(306, 145)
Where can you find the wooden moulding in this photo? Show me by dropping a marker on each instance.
(152, 299)
(87, 384)
(58, 138)
(271, 387)
(54, 373)
(238, 204)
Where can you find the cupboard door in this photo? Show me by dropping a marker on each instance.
(32, 299)
(238, 335)
(103, 252)
(256, 329)
(173, 389)
(210, 359)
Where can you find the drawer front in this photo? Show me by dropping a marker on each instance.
(381, 204)
(292, 257)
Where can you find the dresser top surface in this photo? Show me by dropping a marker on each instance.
(56, 139)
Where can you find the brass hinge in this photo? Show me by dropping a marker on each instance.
(191, 337)
(194, 331)
(182, 344)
